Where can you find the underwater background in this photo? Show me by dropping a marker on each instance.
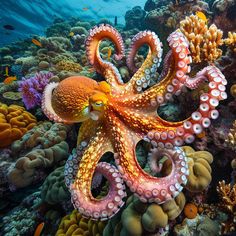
(117, 118)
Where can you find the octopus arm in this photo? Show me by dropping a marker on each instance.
(141, 79)
(180, 132)
(148, 188)
(105, 68)
(87, 130)
(80, 188)
(176, 66)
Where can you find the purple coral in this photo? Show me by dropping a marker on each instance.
(32, 88)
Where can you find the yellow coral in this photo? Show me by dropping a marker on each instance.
(231, 139)
(68, 66)
(231, 40)
(204, 41)
(14, 123)
(75, 224)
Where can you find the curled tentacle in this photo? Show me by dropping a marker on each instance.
(173, 81)
(82, 198)
(199, 119)
(47, 104)
(107, 69)
(142, 77)
(148, 188)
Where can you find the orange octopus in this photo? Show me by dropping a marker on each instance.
(116, 116)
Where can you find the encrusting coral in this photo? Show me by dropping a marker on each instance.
(40, 148)
(14, 123)
(76, 224)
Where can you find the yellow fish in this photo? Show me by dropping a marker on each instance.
(9, 79)
(109, 51)
(7, 71)
(36, 42)
(71, 34)
(201, 16)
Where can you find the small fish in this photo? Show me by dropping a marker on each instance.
(39, 229)
(71, 34)
(201, 16)
(109, 53)
(8, 27)
(36, 42)
(85, 8)
(7, 71)
(9, 79)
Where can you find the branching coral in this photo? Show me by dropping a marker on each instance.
(32, 88)
(227, 194)
(40, 148)
(204, 41)
(75, 224)
(14, 123)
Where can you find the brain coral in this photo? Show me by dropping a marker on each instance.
(75, 224)
(54, 189)
(40, 148)
(14, 123)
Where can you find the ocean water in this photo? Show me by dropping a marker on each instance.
(32, 17)
(117, 117)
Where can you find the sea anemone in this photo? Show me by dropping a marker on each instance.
(32, 88)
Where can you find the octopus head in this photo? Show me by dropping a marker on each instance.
(79, 98)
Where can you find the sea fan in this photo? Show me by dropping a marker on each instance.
(32, 88)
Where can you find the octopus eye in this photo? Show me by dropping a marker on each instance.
(99, 103)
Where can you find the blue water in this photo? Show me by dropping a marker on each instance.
(32, 16)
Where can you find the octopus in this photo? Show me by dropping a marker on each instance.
(115, 116)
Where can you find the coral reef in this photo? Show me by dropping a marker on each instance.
(134, 18)
(14, 123)
(40, 148)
